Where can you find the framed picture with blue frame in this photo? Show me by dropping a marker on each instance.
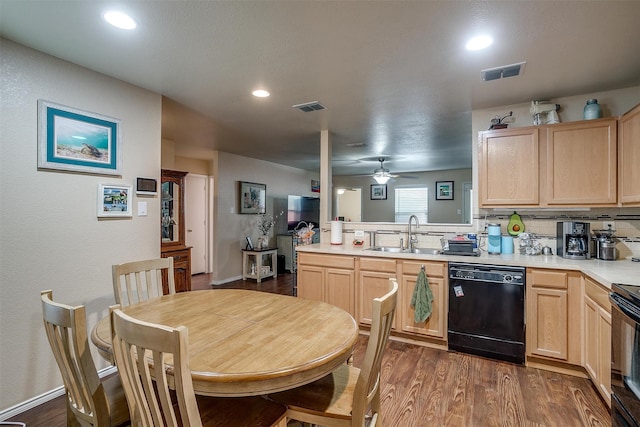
(73, 140)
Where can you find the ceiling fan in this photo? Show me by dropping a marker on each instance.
(382, 174)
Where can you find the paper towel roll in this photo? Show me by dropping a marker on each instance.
(336, 232)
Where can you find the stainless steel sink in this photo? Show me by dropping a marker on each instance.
(425, 251)
(395, 249)
(387, 249)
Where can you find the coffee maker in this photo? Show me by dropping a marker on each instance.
(573, 240)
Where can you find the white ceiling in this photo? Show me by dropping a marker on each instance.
(394, 75)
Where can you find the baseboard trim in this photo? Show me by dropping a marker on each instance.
(222, 282)
(45, 397)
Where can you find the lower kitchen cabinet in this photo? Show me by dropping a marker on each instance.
(327, 278)
(597, 338)
(373, 282)
(181, 268)
(436, 324)
(554, 326)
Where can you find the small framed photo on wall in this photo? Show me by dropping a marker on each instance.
(444, 190)
(378, 191)
(253, 198)
(114, 201)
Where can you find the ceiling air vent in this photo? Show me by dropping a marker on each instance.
(503, 72)
(308, 107)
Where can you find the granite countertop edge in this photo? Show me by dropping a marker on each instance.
(604, 272)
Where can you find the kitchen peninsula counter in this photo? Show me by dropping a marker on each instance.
(604, 272)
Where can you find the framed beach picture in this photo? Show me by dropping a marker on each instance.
(444, 190)
(253, 198)
(78, 141)
(114, 200)
(378, 191)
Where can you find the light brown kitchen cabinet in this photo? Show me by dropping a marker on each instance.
(597, 337)
(436, 324)
(373, 282)
(508, 167)
(554, 323)
(172, 229)
(629, 157)
(327, 278)
(581, 163)
(566, 164)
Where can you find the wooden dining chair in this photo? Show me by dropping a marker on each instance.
(346, 396)
(151, 401)
(138, 281)
(90, 401)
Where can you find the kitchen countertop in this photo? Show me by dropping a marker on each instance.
(603, 272)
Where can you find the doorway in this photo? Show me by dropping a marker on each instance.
(196, 223)
(349, 204)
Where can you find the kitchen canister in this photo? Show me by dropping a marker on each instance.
(592, 110)
(336, 232)
(506, 244)
(494, 238)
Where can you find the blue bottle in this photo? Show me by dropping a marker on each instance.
(592, 110)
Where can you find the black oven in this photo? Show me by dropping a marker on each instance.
(625, 355)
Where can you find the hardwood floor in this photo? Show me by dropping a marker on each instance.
(428, 387)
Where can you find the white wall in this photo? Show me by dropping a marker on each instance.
(50, 236)
(230, 228)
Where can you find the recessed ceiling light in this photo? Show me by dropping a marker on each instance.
(260, 93)
(479, 42)
(120, 20)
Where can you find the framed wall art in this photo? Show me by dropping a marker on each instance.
(444, 190)
(378, 191)
(114, 200)
(78, 141)
(253, 198)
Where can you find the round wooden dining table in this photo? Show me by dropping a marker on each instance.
(247, 343)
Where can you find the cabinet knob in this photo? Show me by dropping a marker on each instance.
(189, 231)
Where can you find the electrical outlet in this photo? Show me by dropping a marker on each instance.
(607, 224)
(358, 233)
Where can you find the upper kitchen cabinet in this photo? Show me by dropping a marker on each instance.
(567, 164)
(580, 163)
(629, 158)
(509, 167)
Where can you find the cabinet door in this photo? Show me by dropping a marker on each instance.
(629, 157)
(340, 289)
(581, 163)
(310, 280)
(591, 341)
(604, 358)
(508, 167)
(547, 322)
(435, 326)
(371, 285)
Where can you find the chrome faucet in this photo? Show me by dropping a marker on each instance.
(411, 240)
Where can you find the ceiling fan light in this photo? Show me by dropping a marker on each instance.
(381, 179)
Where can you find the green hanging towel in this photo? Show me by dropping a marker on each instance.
(422, 298)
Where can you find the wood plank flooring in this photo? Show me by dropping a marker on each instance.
(427, 387)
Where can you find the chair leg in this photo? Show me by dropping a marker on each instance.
(72, 421)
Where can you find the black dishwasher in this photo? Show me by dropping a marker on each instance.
(486, 311)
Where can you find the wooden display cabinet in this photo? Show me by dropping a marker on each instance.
(172, 228)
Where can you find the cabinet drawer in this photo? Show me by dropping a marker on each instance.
(547, 278)
(179, 257)
(597, 293)
(378, 264)
(336, 261)
(433, 269)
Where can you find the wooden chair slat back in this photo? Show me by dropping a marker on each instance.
(138, 281)
(66, 331)
(142, 351)
(368, 383)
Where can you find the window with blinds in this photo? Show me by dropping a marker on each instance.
(412, 201)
